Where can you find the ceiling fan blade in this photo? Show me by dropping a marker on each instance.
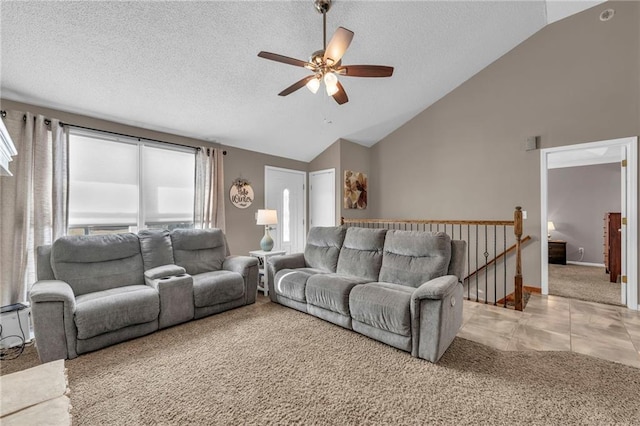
(338, 45)
(295, 86)
(366, 71)
(341, 96)
(283, 59)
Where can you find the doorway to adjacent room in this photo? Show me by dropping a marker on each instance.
(615, 158)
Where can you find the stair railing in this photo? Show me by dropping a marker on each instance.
(494, 252)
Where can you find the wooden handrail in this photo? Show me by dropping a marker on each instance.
(495, 259)
(344, 221)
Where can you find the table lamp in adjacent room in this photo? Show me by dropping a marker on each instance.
(266, 218)
(550, 227)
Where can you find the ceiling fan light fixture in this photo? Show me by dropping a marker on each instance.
(313, 85)
(330, 79)
(332, 90)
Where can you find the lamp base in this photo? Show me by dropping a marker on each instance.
(266, 243)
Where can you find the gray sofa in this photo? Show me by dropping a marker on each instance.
(95, 291)
(402, 288)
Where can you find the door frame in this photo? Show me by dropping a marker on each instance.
(631, 146)
(304, 195)
(331, 171)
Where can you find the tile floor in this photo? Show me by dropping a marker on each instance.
(551, 323)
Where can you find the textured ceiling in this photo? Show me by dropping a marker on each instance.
(191, 68)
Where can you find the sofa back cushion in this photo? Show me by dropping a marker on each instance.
(90, 263)
(414, 257)
(155, 245)
(323, 247)
(361, 253)
(199, 250)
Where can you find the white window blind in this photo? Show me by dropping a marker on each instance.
(168, 191)
(117, 182)
(103, 182)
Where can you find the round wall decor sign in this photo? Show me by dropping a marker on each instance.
(241, 194)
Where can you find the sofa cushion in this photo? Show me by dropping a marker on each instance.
(212, 288)
(331, 291)
(110, 310)
(361, 253)
(291, 283)
(382, 305)
(90, 263)
(155, 245)
(323, 247)
(199, 250)
(414, 257)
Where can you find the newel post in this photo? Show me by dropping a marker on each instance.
(517, 230)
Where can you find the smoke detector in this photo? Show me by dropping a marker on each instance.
(607, 15)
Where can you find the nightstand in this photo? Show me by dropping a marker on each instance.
(263, 277)
(558, 252)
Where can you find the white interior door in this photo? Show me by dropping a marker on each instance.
(322, 198)
(623, 226)
(285, 192)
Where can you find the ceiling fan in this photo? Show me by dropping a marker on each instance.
(326, 64)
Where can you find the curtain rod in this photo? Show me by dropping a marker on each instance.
(48, 122)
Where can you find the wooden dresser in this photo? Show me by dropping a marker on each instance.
(612, 245)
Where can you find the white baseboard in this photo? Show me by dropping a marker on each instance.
(599, 265)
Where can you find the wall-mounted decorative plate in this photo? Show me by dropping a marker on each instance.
(241, 193)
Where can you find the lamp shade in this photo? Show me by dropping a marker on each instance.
(267, 217)
(550, 226)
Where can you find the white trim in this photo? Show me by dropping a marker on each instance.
(631, 144)
(597, 265)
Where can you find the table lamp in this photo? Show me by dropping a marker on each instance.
(266, 218)
(550, 228)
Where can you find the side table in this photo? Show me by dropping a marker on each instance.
(558, 252)
(263, 276)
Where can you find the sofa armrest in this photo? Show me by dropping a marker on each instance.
(435, 289)
(53, 306)
(278, 263)
(239, 264)
(53, 291)
(287, 261)
(164, 271)
(436, 316)
(247, 266)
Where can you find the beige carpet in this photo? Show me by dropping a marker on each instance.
(267, 364)
(588, 283)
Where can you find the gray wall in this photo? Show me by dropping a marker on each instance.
(345, 155)
(578, 198)
(242, 232)
(575, 81)
(356, 158)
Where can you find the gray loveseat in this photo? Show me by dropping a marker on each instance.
(402, 288)
(95, 291)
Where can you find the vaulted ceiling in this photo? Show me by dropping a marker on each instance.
(191, 68)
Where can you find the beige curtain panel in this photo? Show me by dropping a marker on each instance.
(209, 203)
(33, 202)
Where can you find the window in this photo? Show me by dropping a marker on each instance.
(119, 184)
